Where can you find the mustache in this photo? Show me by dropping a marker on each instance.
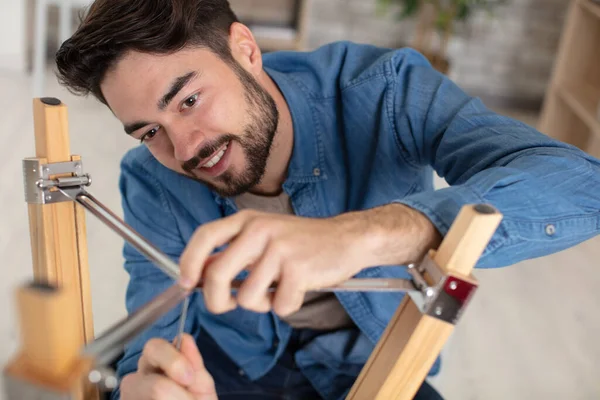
(206, 151)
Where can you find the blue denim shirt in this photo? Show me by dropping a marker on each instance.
(370, 126)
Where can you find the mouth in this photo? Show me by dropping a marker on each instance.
(217, 163)
(215, 158)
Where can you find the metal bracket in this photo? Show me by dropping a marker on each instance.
(43, 180)
(446, 297)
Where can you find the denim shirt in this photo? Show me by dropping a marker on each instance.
(370, 127)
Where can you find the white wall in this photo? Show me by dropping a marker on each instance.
(12, 34)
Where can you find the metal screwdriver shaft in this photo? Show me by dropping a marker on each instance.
(182, 318)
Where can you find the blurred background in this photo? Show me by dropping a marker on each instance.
(532, 331)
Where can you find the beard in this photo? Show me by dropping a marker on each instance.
(256, 141)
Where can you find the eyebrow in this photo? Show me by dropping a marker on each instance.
(130, 128)
(178, 84)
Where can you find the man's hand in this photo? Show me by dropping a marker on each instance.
(165, 373)
(299, 254)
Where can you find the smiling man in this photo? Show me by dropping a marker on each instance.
(301, 169)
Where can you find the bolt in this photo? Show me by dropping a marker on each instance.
(111, 382)
(105, 378)
(95, 376)
(453, 285)
(438, 310)
(46, 169)
(77, 165)
(48, 198)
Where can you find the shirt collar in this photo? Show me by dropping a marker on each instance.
(306, 163)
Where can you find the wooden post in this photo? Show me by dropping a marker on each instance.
(48, 364)
(56, 311)
(412, 341)
(57, 231)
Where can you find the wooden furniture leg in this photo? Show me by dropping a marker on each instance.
(413, 340)
(57, 230)
(57, 321)
(49, 365)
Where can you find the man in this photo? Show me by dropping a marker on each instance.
(303, 169)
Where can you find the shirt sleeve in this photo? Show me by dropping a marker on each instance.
(147, 210)
(548, 191)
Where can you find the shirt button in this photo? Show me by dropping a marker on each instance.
(276, 344)
(316, 172)
(550, 229)
(241, 372)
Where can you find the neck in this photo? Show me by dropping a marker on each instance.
(283, 143)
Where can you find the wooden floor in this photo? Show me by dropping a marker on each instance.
(532, 331)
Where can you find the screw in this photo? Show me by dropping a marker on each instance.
(46, 169)
(48, 198)
(34, 170)
(104, 378)
(453, 285)
(429, 292)
(438, 310)
(95, 376)
(111, 382)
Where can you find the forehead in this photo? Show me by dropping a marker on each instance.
(138, 80)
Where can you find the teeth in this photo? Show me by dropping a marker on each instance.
(213, 161)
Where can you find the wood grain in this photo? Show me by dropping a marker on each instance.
(575, 80)
(84, 269)
(58, 326)
(49, 330)
(412, 341)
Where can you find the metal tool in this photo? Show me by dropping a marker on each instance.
(170, 268)
(351, 285)
(108, 346)
(182, 318)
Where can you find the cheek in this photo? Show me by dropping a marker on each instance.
(163, 151)
(224, 113)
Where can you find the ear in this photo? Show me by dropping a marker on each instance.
(244, 48)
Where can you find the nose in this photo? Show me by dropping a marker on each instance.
(186, 140)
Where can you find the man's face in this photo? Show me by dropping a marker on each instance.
(198, 115)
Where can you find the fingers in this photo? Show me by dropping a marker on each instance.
(254, 294)
(152, 387)
(160, 355)
(290, 294)
(242, 252)
(203, 242)
(203, 384)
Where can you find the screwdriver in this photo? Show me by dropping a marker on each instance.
(182, 318)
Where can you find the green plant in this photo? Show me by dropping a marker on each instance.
(437, 16)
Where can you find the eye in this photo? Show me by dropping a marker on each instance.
(190, 102)
(149, 135)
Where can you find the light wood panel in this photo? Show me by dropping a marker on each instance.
(56, 311)
(576, 80)
(412, 341)
(84, 270)
(49, 357)
(54, 235)
(583, 100)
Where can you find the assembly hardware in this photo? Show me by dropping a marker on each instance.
(43, 181)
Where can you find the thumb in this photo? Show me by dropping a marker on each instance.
(203, 385)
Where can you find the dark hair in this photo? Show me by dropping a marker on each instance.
(113, 27)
